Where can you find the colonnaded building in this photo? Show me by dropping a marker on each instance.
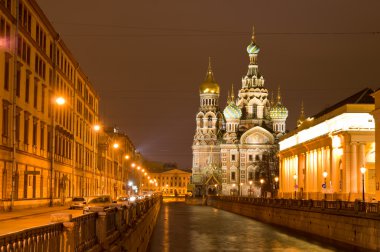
(234, 151)
(331, 155)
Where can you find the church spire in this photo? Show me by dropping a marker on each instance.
(253, 34)
(209, 74)
(228, 98)
(278, 95)
(271, 100)
(232, 93)
(301, 118)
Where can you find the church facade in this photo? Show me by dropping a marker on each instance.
(234, 150)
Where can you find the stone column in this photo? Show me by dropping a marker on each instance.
(354, 179)
(68, 241)
(260, 111)
(101, 229)
(346, 167)
(249, 110)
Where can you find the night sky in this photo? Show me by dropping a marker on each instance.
(147, 58)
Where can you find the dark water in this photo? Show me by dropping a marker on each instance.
(199, 228)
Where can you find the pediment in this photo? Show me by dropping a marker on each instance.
(257, 135)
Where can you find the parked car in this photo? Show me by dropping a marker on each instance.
(98, 203)
(122, 200)
(78, 202)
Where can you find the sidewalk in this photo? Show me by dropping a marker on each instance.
(15, 214)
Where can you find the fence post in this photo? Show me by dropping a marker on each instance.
(68, 236)
(101, 229)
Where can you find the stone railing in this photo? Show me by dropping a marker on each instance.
(316, 205)
(96, 231)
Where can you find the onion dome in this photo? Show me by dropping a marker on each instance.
(253, 48)
(232, 111)
(209, 86)
(278, 111)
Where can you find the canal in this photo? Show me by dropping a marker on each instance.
(181, 227)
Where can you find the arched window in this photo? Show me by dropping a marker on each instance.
(209, 121)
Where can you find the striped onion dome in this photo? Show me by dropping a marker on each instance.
(232, 111)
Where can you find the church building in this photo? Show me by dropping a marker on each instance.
(234, 150)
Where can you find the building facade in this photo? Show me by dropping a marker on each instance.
(170, 183)
(234, 150)
(48, 150)
(323, 156)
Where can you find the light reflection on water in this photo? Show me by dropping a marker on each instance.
(198, 228)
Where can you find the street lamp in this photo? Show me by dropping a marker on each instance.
(233, 189)
(96, 128)
(325, 185)
(241, 189)
(250, 188)
(295, 186)
(276, 185)
(59, 101)
(262, 182)
(115, 145)
(363, 170)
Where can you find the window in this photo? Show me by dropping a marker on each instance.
(257, 157)
(26, 127)
(18, 79)
(25, 17)
(35, 123)
(18, 126)
(250, 157)
(42, 137)
(27, 84)
(250, 175)
(5, 130)
(43, 99)
(233, 175)
(233, 157)
(6, 73)
(209, 122)
(35, 93)
(5, 32)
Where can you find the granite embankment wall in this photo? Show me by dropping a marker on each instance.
(137, 238)
(358, 228)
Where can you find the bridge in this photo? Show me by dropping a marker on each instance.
(183, 227)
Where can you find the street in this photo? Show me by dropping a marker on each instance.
(11, 222)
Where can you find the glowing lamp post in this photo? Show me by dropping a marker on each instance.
(233, 189)
(59, 101)
(295, 186)
(325, 185)
(363, 170)
(241, 189)
(276, 185)
(262, 183)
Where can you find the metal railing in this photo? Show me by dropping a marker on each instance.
(81, 233)
(45, 238)
(317, 205)
(85, 231)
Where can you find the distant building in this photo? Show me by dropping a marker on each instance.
(173, 182)
(323, 156)
(235, 149)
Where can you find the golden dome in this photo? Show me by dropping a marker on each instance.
(209, 86)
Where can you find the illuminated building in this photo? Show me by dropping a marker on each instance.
(172, 182)
(322, 157)
(237, 146)
(33, 73)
